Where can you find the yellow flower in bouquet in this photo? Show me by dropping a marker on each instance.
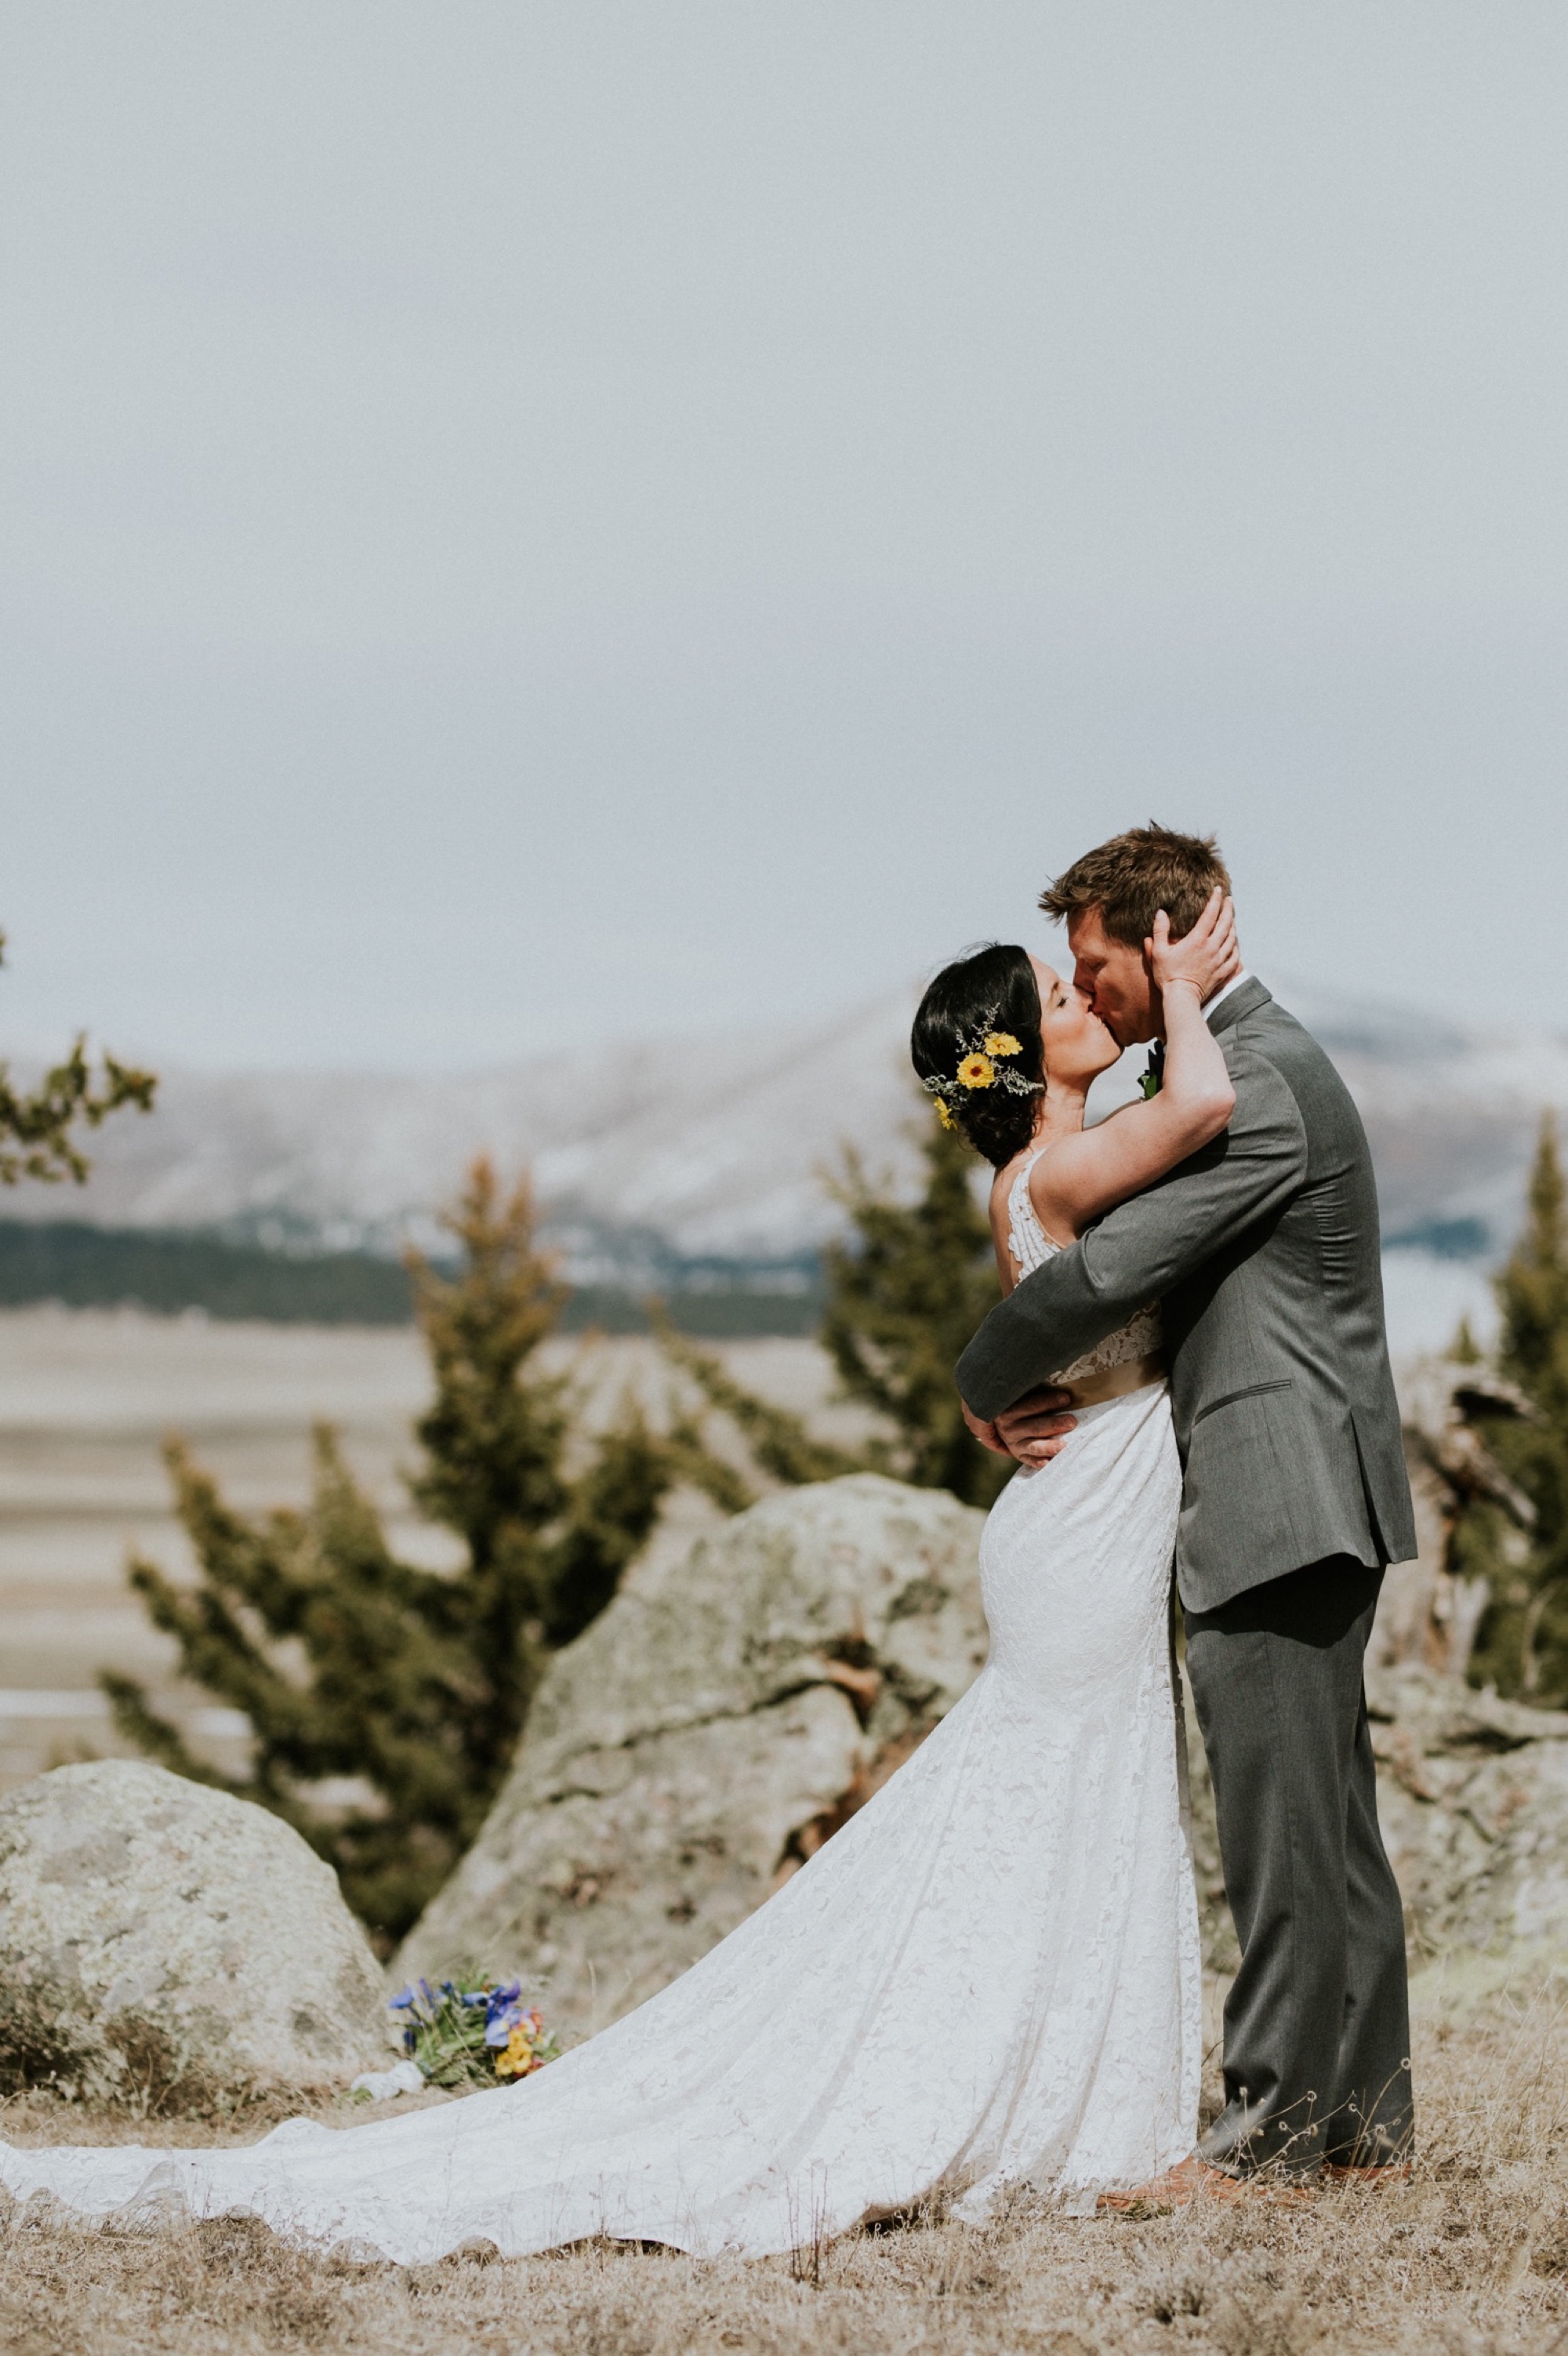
(526, 2049)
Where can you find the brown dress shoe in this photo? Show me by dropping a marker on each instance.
(1193, 2180)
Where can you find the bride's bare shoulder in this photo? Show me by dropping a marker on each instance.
(1006, 1177)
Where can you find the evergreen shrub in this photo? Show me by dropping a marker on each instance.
(409, 1687)
(1523, 1642)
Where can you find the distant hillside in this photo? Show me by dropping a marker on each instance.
(96, 1267)
(709, 1154)
(84, 1267)
(1452, 1115)
(703, 1150)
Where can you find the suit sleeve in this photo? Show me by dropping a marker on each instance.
(1138, 1251)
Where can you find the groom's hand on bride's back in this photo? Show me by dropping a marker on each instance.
(1033, 1430)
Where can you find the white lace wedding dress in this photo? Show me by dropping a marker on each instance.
(989, 1978)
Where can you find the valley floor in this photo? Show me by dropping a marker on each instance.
(1470, 2259)
(88, 1396)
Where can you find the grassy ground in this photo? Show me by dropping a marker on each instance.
(1471, 2259)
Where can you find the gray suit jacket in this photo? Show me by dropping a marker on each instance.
(1263, 1249)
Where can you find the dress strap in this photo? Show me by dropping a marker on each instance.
(1026, 1241)
(1018, 1192)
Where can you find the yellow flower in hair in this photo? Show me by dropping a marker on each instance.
(977, 1071)
(1002, 1043)
(944, 1116)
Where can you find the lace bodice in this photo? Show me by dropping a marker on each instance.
(1031, 1247)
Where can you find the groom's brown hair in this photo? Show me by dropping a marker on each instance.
(1133, 875)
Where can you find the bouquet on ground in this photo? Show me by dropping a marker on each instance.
(472, 2031)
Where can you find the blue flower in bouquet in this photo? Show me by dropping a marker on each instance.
(503, 2011)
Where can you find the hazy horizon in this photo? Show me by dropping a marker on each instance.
(1318, 1004)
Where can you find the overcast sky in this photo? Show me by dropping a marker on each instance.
(535, 523)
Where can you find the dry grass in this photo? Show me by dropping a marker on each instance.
(1471, 2259)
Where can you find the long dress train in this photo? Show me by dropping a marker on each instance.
(990, 1977)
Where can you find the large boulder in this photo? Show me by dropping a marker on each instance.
(713, 1728)
(162, 1940)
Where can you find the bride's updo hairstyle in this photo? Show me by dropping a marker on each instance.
(990, 996)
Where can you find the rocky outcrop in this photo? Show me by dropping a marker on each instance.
(163, 1940)
(1473, 1800)
(1429, 1612)
(718, 1722)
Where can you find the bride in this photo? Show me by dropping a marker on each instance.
(991, 1976)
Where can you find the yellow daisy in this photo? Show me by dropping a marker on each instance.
(977, 1071)
(944, 1116)
(1002, 1043)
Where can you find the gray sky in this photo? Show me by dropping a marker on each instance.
(533, 523)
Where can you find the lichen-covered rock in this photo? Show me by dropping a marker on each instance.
(710, 1729)
(163, 1940)
(1472, 1802)
(1428, 1613)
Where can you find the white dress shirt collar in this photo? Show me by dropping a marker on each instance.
(1220, 996)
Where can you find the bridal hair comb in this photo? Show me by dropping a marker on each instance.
(984, 1064)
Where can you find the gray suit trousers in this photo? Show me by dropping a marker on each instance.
(1316, 2024)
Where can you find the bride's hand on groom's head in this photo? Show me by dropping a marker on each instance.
(1207, 957)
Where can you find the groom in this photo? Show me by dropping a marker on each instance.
(1263, 1251)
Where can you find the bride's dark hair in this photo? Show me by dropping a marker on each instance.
(992, 990)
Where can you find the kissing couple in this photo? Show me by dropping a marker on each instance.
(990, 1980)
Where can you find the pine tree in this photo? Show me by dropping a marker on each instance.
(778, 1443)
(1464, 1350)
(1522, 1643)
(39, 1132)
(905, 1296)
(414, 1685)
(906, 1291)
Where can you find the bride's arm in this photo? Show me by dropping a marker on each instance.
(1088, 1173)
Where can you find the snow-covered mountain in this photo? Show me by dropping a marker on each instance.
(1452, 1113)
(709, 1147)
(716, 1147)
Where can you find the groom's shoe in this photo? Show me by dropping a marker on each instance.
(1193, 2180)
